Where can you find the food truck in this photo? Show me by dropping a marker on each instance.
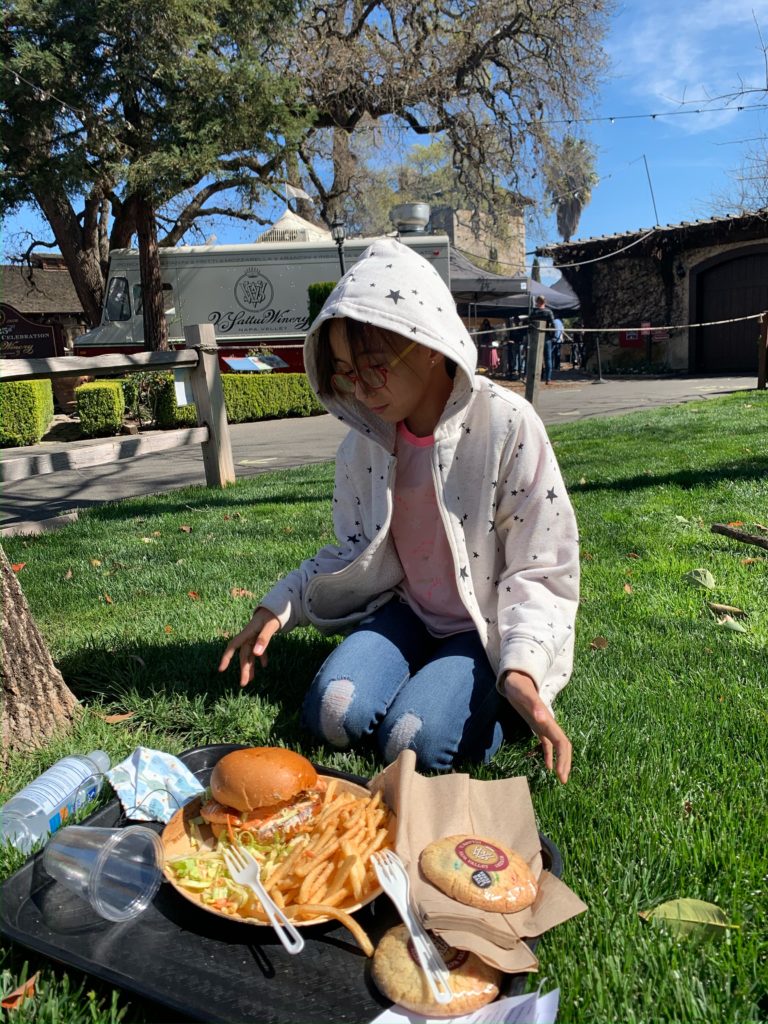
(256, 295)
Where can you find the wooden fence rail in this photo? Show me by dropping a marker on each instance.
(200, 358)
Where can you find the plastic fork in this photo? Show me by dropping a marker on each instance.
(394, 880)
(245, 870)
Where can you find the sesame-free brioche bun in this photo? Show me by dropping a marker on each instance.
(399, 977)
(260, 777)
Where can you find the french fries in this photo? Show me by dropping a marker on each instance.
(326, 869)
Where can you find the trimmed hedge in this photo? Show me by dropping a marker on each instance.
(101, 407)
(26, 411)
(318, 293)
(247, 397)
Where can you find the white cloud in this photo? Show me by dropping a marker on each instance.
(665, 52)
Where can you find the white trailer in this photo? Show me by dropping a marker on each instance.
(254, 295)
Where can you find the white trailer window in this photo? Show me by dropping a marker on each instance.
(118, 304)
(169, 305)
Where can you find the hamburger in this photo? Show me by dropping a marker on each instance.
(268, 791)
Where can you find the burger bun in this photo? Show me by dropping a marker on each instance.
(257, 777)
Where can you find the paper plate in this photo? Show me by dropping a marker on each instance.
(177, 842)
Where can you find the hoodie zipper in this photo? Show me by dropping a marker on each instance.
(480, 625)
(325, 578)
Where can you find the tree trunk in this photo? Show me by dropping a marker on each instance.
(155, 325)
(36, 700)
(83, 262)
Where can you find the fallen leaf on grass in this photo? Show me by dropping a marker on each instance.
(701, 577)
(156, 533)
(96, 562)
(728, 622)
(68, 574)
(632, 554)
(193, 594)
(627, 588)
(18, 566)
(240, 592)
(113, 719)
(689, 917)
(168, 629)
(599, 643)
(185, 529)
(107, 598)
(148, 540)
(736, 522)
(727, 609)
(14, 999)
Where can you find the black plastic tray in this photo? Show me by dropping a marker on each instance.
(198, 964)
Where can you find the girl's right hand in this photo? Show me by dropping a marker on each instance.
(252, 643)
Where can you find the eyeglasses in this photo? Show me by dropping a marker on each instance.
(373, 378)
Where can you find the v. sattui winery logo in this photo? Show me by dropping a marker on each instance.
(253, 290)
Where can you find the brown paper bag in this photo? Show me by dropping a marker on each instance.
(501, 810)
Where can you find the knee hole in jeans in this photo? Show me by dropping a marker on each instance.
(403, 733)
(333, 711)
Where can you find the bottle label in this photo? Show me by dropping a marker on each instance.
(61, 791)
(85, 793)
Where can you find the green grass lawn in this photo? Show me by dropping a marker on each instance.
(666, 709)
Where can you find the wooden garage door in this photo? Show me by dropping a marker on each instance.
(736, 287)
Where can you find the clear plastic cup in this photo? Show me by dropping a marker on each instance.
(117, 870)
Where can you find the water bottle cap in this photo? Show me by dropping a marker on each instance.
(100, 759)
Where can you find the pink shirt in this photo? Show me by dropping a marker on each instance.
(429, 586)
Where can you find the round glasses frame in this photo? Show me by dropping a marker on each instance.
(373, 378)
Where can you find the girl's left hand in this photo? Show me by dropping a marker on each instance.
(522, 694)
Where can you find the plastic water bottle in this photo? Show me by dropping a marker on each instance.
(46, 804)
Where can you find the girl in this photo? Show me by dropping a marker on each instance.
(456, 567)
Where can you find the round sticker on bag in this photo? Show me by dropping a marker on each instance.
(481, 855)
(452, 957)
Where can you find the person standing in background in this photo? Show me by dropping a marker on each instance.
(557, 342)
(541, 316)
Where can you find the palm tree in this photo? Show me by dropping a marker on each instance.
(570, 175)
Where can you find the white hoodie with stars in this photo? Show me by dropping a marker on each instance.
(508, 519)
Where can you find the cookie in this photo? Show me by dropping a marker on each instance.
(479, 872)
(398, 976)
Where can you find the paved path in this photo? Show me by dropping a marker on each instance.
(274, 444)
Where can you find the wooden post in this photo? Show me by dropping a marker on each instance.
(534, 362)
(762, 354)
(209, 401)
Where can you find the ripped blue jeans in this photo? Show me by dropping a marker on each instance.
(392, 682)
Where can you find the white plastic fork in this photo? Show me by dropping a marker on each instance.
(245, 870)
(394, 880)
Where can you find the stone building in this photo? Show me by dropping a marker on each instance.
(499, 247)
(656, 285)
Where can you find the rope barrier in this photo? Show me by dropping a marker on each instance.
(614, 330)
(274, 343)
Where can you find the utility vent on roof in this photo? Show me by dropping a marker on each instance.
(285, 235)
(292, 228)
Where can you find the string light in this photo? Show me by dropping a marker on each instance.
(613, 118)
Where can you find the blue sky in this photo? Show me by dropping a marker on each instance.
(662, 52)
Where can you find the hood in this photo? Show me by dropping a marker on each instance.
(396, 289)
